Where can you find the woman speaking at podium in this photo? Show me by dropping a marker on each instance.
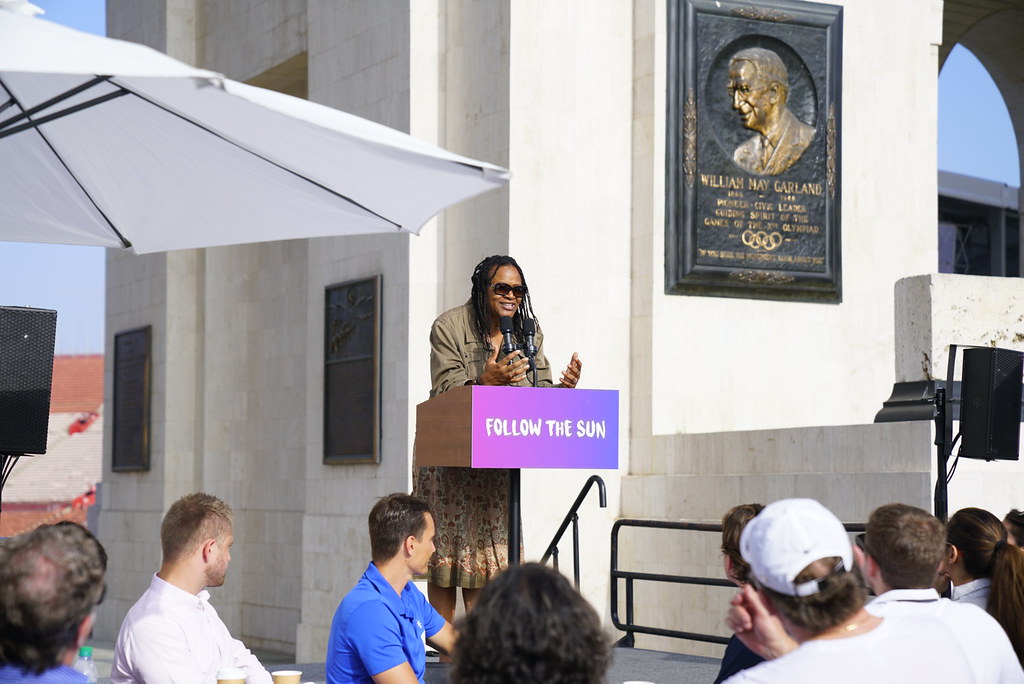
(471, 506)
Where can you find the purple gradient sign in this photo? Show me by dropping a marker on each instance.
(527, 427)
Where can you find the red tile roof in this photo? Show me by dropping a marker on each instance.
(77, 383)
(14, 521)
(72, 464)
(50, 486)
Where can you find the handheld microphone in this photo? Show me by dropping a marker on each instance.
(530, 329)
(508, 345)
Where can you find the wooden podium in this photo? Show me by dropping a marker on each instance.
(515, 428)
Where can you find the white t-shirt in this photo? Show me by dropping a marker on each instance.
(903, 649)
(989, 652)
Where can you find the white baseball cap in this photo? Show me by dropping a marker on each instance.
(789, 535)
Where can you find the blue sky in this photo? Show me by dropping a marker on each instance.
(975, 138)
(975, 133)
(62, 277)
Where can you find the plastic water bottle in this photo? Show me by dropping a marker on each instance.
(85, 664)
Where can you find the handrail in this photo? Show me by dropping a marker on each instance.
(629, 626)
(573, 517)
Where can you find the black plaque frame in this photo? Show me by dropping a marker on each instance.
(730, 232)
(132, 375)
(352, 349)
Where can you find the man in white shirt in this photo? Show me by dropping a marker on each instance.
(172, 635)
(902, 548)
(801, 561)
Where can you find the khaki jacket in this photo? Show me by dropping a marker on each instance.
(457, 355)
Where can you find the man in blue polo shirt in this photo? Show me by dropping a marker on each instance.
(378, 629)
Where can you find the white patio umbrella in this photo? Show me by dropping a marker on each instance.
(106, 142)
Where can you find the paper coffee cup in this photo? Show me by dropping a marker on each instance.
(286, 676)
(230, 675)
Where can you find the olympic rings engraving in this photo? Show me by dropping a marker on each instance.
(762, 240)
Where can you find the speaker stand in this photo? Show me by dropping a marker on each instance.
(944, 438)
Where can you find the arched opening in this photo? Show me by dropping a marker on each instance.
(979, 172)
(981, 53)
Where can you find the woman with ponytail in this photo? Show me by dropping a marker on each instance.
(986, 570)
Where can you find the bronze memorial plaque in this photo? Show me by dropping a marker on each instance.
(752, 159)
(352, 372)
(130, 442)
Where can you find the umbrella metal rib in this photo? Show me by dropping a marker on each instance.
(27, 113)
(194, 159)
(7, 129)
(34, 125)
(262, 157)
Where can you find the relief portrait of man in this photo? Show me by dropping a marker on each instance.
(759, 87)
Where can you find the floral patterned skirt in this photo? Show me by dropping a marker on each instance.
(471, 521)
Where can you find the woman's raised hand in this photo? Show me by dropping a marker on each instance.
(571, 374)
(508, 370)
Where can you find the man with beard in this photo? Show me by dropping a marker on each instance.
(172, 634)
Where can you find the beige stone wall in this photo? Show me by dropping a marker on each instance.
(334, 546)
(475, 76)
(244, 38)
(367, 74)
(253, 392)
(139, 22)
(132, 508)
(159, 291)
(570, 95)
(812, 363)
(939, 309)
(569, 212)
(720, 388)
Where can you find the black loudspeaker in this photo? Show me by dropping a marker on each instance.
(990, 408)
(26, 373)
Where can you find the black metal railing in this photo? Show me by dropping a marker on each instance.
(629, 625)
(573, 517)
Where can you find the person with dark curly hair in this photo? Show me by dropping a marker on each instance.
(50, 582)
(472, 505)
(984, 569)
(530, 626)
(1014, 524)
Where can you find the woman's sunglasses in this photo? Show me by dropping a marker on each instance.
(502, 289)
